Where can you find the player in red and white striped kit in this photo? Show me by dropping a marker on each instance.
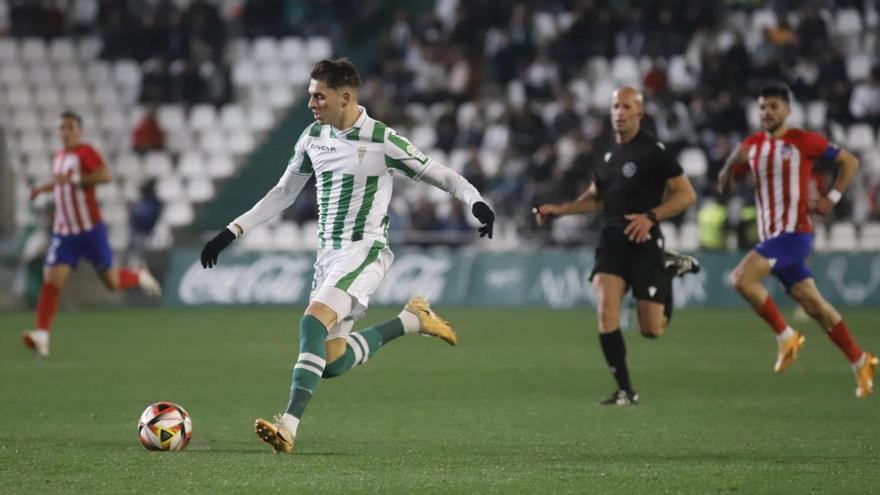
(78, 230)
(780, 159)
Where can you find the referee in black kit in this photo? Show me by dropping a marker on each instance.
(629, 189)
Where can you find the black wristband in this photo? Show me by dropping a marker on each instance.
(652, 216)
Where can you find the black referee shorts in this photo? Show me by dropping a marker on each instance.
(640, 265)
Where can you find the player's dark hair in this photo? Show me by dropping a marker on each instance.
(69, 114)
(336, 73)
(776, 90)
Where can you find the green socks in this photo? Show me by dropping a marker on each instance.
(309, 365)
(360, 346)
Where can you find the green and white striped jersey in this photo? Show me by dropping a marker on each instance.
(353, 172)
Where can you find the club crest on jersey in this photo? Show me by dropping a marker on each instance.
(607, 156)
(362, 151)
(629, 169)
(786, 151)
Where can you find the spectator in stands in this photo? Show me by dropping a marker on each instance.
(147, 134)
(812, 32)
(567, 119)
(864, 104)
(156, 84)
(143, 217)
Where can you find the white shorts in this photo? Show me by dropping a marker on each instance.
(346, 278)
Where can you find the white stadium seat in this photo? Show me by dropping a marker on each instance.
(625, 70)
(319, 48)
(292, 49)
(89, 48)
(272, 72)
(171, 117)
(260, 118)
(220, 165)
(200, 189)
(817, 110)
(842, 236)
(178, 213)
(870, 238)
(240, 142)
(244, 73)
(265, 49)
(213, 140)
(61, 50)
(33, 50)
(860, 137)
(694, 162)
(232, 117)
(169, 188)
(202, 117)
(8, 51)
(858, 66)
(157, 164)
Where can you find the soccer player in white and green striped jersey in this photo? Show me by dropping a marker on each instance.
(352, 157)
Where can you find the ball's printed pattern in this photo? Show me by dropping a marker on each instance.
(164, 426)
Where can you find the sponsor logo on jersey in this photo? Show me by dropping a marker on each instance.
(321, 147)
(415, 153)
(786, 151)
(629, 169)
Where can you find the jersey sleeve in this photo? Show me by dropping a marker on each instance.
(402, 155)
(817, 146)
(669, 166)
(300, 163)
(89, 159)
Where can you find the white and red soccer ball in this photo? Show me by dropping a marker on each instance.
(164, 426)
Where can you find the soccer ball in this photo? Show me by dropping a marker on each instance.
(164, 426)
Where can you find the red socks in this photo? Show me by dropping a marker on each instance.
(47, 306)
(843, 339)
(127, 279)
(772, 316)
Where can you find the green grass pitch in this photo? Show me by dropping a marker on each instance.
(511, 410)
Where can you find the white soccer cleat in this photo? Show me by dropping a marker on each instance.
(148, 283)
(37, 341)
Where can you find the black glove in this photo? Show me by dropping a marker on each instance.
(486, 216)
(214, 246)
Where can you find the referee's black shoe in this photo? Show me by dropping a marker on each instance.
(680, 264)
(621, 398)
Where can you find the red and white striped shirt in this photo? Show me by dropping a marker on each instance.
(76, 208)
(782, 168)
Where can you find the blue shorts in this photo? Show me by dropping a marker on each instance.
(787, 254)
(92, 245)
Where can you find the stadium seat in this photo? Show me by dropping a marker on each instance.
(200, 189)
(33, 50)
(127, 73)
(260, 119)
(265, 49)
(496, 137)
(88, 48)
(545, 28)
(98, 72)
(670, 235)
(272, 73)
(8, 51)
(244, 73)
(689, 237)
(625, 70)
(490, 162)
(128, 165)
(179, 141)
(848, 22)
(202, 117)
(319, 48)
(423, 136)
(258, 239)
(178, 213)
(25, 121)
(680, 76)
(240, 142)
(75, 97)
(597, 68)
(842, 236)
(694, 162)
(191, 164)
(213, 140)
(12, 74)
(763, 18)
(71, 76)
(286, 236)
(871, 163)
(292, 49)
(157, 164)
(220, 165)
(171, 118)
(169, 188)
(61, 50)
(602, 92)
(41, 75)
(161, 238)
(280, 96)
(860, 137)
(858, 66)
(232, 117)
(870, 237)
(817, 110)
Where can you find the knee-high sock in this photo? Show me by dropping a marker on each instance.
(615, 355)
(127, 279)
(844, 340)
(770, 313)
(47, 306)
(361, 346)
(309, 365)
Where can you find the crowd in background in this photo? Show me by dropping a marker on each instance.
(450, 54)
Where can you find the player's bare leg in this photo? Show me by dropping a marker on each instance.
(652, 318)
(863, 363)
(609, 290)
(747, 281)
(54, 279)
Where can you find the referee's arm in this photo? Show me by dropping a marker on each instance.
(587, 202)
(680, 195)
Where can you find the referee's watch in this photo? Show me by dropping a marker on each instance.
(652, 216)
